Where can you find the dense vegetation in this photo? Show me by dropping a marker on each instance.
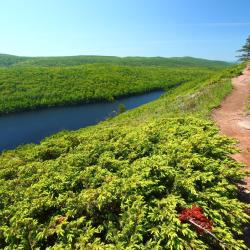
(9, 60)
(123, 183)
(36, 87)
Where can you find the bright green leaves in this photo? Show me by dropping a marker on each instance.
(27, 88)
(121, 187)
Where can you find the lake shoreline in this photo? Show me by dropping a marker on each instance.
(34, 125)
(80, 103)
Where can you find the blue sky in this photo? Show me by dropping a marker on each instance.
(212, 29)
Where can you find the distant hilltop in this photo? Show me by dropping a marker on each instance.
(11, 60)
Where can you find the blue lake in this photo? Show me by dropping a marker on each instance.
(33, 126)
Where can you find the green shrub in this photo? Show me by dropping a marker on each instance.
(123, 183)
(121, 188)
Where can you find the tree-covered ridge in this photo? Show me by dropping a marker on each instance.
(25, 88)
(123, 183)
(9, 60)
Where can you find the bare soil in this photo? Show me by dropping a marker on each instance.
(233, 119)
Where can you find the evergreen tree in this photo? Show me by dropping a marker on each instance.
(245, 51)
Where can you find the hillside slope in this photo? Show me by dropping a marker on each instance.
(9, 60)
(26, 88)
(123, 183)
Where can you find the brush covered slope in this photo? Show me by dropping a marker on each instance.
(60, 61)
(123, 183)
(29, 88)
(10, 60)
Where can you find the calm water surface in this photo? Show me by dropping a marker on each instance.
(33, 126)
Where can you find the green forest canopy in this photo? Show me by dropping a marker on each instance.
(10, 60)
(34, 82)
(25, 88)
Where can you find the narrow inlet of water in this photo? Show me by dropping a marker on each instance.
(33, 126)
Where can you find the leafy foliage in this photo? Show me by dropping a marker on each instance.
(9, 60)
(123, 183)
(121, 188)
(31, 87)
(196, 97)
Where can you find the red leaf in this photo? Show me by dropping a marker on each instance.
(196, 215)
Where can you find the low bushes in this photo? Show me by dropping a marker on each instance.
(121, 188)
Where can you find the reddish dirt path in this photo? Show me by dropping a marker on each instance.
(234, 120)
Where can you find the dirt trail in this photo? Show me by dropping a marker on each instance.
(234, 120)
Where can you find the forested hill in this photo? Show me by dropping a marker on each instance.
(25, 88)
(10, 60)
